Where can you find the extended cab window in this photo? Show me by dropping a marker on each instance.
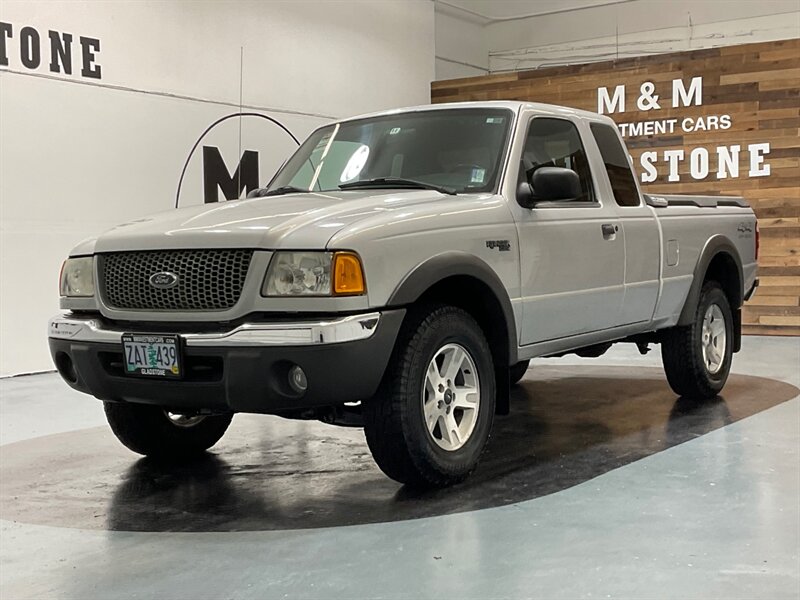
(556, 143)
(619, 171)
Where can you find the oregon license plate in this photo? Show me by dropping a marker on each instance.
(151, 355)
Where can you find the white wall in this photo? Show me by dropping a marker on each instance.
(461, 45)
(527, 34)
(80, 155)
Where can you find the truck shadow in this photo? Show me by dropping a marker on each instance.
(567, 426)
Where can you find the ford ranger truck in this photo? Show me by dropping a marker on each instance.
(399, 272)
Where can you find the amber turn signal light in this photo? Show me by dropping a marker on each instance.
(348, 276)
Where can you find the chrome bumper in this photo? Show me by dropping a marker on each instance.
(299, 333)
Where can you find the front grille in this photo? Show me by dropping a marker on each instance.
(206, 279)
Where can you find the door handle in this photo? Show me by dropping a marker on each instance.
(609, 231)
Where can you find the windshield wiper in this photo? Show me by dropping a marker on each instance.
(278, 191)
(396, 182)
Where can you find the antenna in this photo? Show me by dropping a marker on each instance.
(241, 85)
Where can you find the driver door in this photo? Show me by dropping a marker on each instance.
(572, 253)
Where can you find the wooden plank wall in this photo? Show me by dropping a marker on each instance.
(757, 85)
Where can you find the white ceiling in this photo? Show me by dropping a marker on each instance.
(502, 10)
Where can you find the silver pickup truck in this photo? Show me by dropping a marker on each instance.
(399, 272)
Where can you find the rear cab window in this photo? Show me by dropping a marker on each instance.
(618, 169)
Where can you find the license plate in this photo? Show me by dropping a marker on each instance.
(151, 355)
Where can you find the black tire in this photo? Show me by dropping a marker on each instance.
(682, 350)
(518, 371)
(148, 430)
(394, 422)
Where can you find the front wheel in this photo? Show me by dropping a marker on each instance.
(155, 432)
(697, 357)
(430, 422)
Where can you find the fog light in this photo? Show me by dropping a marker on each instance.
(297, 380)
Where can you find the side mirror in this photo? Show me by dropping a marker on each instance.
(525, 195)
(556, 183)
(549, 184)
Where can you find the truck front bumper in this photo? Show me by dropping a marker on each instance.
(241, 369)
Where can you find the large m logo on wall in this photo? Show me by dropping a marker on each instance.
(217, 177)
(260, 143)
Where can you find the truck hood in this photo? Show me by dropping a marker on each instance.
(291, 221)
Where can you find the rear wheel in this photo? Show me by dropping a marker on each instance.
(697, 357)
(152, 431)
(430, 422)
(518, 371)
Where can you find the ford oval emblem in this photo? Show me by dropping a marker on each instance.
(163, 280)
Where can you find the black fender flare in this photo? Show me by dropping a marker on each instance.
(716, 245)
(450, 264)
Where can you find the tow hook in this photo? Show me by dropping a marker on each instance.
(643, 347)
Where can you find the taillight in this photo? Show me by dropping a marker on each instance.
(758, 239)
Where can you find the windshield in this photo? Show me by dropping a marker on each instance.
(457, 149)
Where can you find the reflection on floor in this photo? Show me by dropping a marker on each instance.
(601, 483)
(567, 425)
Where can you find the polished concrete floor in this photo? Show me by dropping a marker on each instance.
(601, 483)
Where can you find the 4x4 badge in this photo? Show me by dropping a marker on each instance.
(502, 245)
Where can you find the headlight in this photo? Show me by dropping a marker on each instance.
(299, 274)
(314, 274)
(77, 277)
